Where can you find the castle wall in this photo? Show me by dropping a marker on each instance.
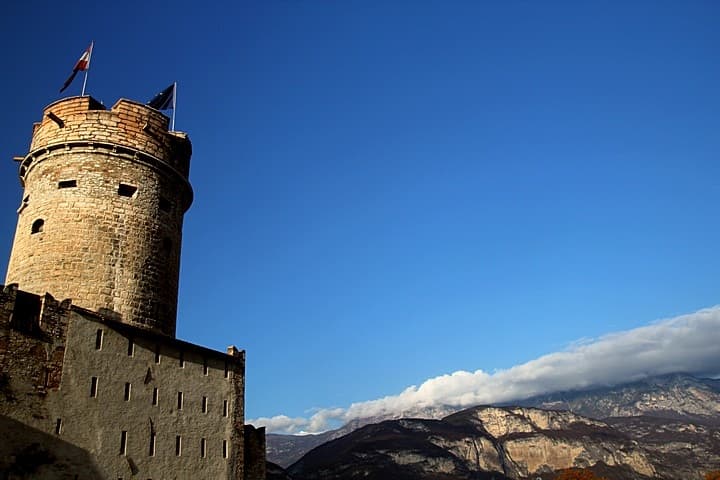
(101, 215)
(112, 378)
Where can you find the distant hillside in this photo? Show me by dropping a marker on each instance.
(478, 443)
(678, 397)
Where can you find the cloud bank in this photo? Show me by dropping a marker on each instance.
(688, 343)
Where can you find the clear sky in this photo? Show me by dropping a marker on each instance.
(390, 191)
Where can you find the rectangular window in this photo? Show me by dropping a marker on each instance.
(205, 367)
(123, 443)
(125, 190)
(225, 408)
(93, 386)
(225, 452)
(202, 447)
(127, 391)
(180, 401)
(131, 347)
(178, 445)
(204, 404)
(155, 396)
(226, 370)
(151, 451)
(157, 354)
(182, 360)
(67, 183)
(58, 426)
(98, 339)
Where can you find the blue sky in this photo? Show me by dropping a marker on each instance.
(388, 192)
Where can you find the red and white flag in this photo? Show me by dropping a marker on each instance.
(82, 65)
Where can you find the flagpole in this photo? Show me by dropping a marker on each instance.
(82, 94)
(172, 128)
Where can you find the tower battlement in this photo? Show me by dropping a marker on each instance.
(101, 214)
(129, 125)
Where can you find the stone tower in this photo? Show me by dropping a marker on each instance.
(101, 215)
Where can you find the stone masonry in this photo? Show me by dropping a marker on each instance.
(97, 386)
(100, 219)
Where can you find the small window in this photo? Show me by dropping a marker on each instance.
(151, 450)
(98, 339)
(93, 387)
(37, 226)
(181, 360)
(225, 452)
(227, 371)
(125, 190)
(155, 396)
(180, 401)
(58, 426)
(128, 387)
(131, 347)
(123, 442)
(225, 408)
(157, 354)
(67, 184)
(165, 204)
(178, 445)
(205, 367)
(204, 404)
(202, 447)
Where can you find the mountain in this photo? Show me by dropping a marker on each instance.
(285, 450)
(674, 396)
(679, 397)
(479, 443)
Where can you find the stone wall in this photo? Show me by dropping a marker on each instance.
(100, 219)
(132, 402)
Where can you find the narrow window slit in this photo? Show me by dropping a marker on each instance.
(98, 339)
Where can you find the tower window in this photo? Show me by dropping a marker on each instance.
(202, 447)
(131, 347)
(93, 386)
(225, 452)
(180, 401)
(127, 391)
(151, 451)
(225, 408)
(205, 367)
(67, 184)
(125, 190)
(98, 339)
(155, 396)
(178, 445)
(58, 426)
(204, 404)
(37, 226)
(123, 442)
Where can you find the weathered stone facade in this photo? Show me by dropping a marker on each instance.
(98, 387)
(100, 220)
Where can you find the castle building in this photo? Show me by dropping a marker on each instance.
(93, 382)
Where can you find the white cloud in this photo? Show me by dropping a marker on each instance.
(688, 343)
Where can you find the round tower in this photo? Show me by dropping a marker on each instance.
(101, 215)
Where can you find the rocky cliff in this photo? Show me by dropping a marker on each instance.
(482, 442)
